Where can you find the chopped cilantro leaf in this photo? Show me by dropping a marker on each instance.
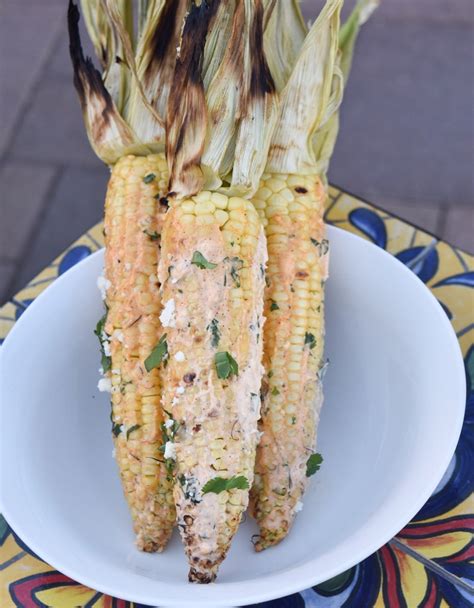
(310, 339)
(157, 355)
(116, 429)
(313, 464)
(213, 327)
(220, 484)
(226, 365)
(154, 236)
(135, 427)
(200, 261)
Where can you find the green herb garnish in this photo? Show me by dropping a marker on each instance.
(149, 178)
(322, 246)
(213, 327)
(270, 373)
(220, 484)
(275, 391)
(200, 261)
(309, 339)
(106, 361)
(153, 236)
(274, 306)
(236, 265)
(135, 427)
(313, 464)
(226, 365)
(157, 355)
(116, 429)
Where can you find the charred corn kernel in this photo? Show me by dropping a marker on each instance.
(217, 406)
(293, 338)
(133, 328)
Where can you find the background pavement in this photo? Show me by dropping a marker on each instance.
(406, 142)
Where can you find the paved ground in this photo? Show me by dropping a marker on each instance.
(407, 139)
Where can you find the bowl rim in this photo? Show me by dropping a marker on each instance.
(293, 579)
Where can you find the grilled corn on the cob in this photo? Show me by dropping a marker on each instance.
(134, 211)
(212, 273)
(291, 208)
(291, 204)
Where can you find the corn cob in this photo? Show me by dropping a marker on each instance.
(175, 49)
(291, 202)
(212, 275)
(134, 211)
(291, 209)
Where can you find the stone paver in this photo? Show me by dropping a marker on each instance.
(25, 42)
(53, 129)
(422, 215)
(459, 228)
(60, 64)
(458, 11)
(7, 271)
(75, 206)
(407, 122)
(24, 191)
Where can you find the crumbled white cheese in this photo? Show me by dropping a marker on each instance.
(298, 506)
(128, 266)
(175, 401)
(179, 356)
(116, 372)
(170, 450)
(118, 335)
(105, 385)
(101, 370)
(168, 316)
(103, 284)
(104, 338)
(169, 423)
(180, 390)
(255, 401)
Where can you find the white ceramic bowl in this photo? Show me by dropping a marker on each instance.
(395, 394)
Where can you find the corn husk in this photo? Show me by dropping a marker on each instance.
(216, 125)
(309, 96)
